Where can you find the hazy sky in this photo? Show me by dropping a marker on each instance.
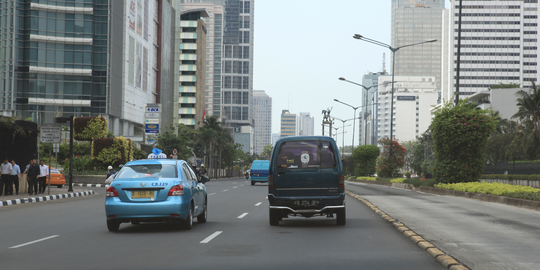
(302, 47)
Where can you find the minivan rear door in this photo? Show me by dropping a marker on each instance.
(329, 169)
(297, 169)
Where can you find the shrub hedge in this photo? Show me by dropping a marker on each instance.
(534, 177)
(498, 189)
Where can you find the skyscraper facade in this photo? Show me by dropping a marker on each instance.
(413, 22)
(499, 44)
(191, 50)
(83, 58)
(288, 124)
(214, 37)
(307, 124)
(262, 113)
(369, 116)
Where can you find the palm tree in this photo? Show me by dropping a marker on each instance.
(529, 110)
(210, 131)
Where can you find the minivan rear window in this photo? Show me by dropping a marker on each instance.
(305, 154)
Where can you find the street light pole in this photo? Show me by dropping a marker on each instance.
(393, 50)
(364, 98)
(354, 119)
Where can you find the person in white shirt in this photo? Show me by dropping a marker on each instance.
(43, 173)
(15, 177)
(5, 179)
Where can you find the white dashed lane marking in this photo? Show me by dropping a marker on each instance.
(235, 186)
(242, 215)
(36, 241)
(212, 236)
(212, 194)
(259, 203)
(226, 190)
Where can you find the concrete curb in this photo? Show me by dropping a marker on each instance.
(46, 198)
(444, 259)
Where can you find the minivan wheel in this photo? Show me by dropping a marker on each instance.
(341, 218)
(274, 217)
(252, 183)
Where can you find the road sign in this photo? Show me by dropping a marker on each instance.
(152, 121)
(151, 131)
(56, 147)
(151, 115)
(50, 134)
(152, 109)
(174, 151)
(151, 126)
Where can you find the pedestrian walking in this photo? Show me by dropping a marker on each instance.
(43, 173)
(5, 178)
(15, 177)
(32, 172)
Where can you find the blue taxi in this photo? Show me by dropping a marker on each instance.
(156, 190)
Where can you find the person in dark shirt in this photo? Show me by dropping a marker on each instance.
(111, 172)
(33, 172)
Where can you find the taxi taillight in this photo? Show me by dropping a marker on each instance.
(111, 192)
(177, 190)
(270, 182)
(341, 181)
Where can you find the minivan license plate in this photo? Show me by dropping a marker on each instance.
(255, 174)
(306, 203)
(142, 194)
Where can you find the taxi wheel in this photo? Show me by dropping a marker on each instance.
(188, 223)
(113, 225)
(202, 217)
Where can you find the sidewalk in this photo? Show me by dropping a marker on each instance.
(55, 194)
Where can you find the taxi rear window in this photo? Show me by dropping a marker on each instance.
(148, 171)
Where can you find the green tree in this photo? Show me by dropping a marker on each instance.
(528, 103)
(267, 152)
(365, 158)
(505, 85)
(460, 134)
(391, 159)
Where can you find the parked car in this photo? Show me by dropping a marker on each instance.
(156, 190)
(259, 171)
(306, 179)
(57, 178)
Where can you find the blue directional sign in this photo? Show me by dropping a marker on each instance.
(151, 131)
(151, 128)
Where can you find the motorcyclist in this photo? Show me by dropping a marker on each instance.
(202, 171)
(111, 172)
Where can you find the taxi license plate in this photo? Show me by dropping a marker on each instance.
(142, 194)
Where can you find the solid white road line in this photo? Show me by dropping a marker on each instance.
(259, 203)
(212, 236)
(242, 215)
(36, 241)
(212, 194)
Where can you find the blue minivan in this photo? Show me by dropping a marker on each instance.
(259, 171)
(306, 179)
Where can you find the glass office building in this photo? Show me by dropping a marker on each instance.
(53, 58)
(414, 22)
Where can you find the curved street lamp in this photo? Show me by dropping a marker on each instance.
(354, 119)
(394, 50)
(364, 100)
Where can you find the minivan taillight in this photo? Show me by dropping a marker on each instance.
(111, 192)
(177, 190)
(341, 181)
(270, 182)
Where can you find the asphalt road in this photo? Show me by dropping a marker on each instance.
(482, 235)
(71, 234)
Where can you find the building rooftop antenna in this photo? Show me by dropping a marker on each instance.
(384, 63)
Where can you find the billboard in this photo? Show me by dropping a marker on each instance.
(139, 78)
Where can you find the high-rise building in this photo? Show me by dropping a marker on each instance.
(413, 99)
(191, 65)
(288, 124)
(369, 116)
(237, 65)
(307, 124)
(214, 37)
(82, 58)
(262, 113)
(414, 22)
(275, 137)
(499, 44)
